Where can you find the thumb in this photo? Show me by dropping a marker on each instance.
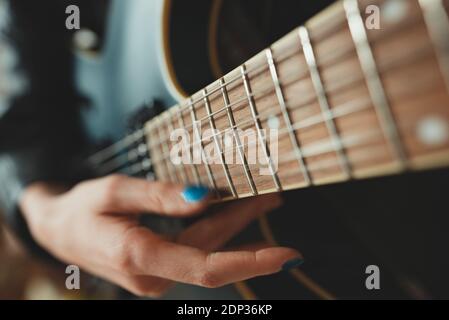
(122, 194)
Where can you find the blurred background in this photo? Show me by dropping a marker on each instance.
(24, 277)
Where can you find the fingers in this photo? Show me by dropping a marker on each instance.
(151, 286)
(221, 268)
(213, 232)
(149, 255)
(121, 194)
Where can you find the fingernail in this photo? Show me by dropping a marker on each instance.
(290, 264)
(194, 193)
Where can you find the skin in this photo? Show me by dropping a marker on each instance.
(95, 226)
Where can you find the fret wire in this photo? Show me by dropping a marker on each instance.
(182, 170)
(374, 83)
(309, 55)
(286, 115)
(172, 176)
(217, 145)
(262, 139)
(240, 150)
(437, 22)
(196, 131)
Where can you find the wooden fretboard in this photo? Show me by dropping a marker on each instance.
(349, 102)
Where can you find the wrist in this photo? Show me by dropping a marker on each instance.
(37, 205)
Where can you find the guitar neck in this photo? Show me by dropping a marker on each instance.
(331, 101)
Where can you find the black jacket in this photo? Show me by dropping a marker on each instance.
(40, 132)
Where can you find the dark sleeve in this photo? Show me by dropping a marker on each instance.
(40, 132)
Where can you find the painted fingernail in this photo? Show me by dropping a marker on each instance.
(194, 193)
(290, 264)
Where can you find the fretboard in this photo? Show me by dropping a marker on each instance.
(347, 101)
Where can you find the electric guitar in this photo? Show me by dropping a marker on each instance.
(348, 101)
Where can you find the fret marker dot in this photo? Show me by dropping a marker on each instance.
(433, 131)
(394, 10)
(273, 122)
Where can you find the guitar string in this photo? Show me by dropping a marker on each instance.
(391, 64)
(157, 160)
(108, 152)
(124, 143)
(352, 141)
(316, 167)
(310, 121)
(283, 131)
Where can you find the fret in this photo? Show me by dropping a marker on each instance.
(217, 145)
(261, 137)
(172, 112)
(374, 83)
(286, 116)
(240, 150)
(437, 21)
(322, 100)
(196, 132)
(195, 173)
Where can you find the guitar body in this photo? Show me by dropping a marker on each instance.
(166, 50)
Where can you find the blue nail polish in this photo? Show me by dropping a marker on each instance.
(194, 193)
(290, 264)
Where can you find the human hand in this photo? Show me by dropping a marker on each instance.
(95, 225)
